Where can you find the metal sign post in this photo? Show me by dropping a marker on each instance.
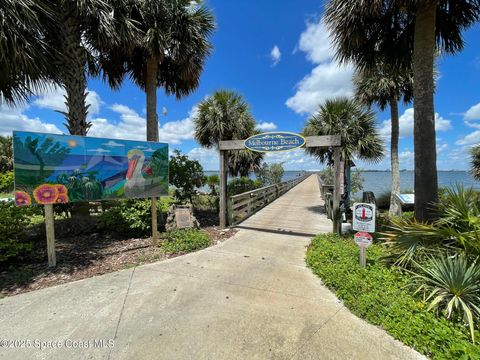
(364, 222)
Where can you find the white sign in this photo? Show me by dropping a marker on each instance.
(363, 239)
(364, 217)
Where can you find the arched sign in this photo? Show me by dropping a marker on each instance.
(274, 142)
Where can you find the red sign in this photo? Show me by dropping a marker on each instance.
(363, 239)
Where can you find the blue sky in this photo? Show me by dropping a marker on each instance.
(278, 55)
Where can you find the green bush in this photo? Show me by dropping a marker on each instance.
(183, 241)
(240, 185)
(131, 217)
(380, 295)
(13, 221)
(6, 181)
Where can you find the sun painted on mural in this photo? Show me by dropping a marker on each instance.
(56, 169)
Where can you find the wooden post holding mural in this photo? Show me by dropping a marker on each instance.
(154, 220)
(336, 215)
(50, 230)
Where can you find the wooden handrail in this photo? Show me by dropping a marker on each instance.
(243, 205)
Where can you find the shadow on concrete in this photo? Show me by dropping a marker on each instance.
(318, 209)
(277, 231)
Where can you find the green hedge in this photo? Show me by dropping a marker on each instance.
(381, 295)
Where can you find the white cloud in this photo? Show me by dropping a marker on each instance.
(470, 139)
(100, 150)
(266, 126)
(275, 55)
(473, 113)
(133, 127)
(406, 125)
(54, 98)
(327, 80)
(315, 42)
(113, 144)
(208, 158)
(13, 119)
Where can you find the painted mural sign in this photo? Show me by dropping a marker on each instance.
(52, 169)
(274, 142)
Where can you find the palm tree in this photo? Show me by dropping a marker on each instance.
(356, 126)
(170, 52)
(226, 116)
(405, 33)
(244, 162)
(475, 151)
(385, 87)
(23, 53)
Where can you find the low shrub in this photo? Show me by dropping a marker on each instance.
(380, 294)
(13, 222)
(183, 241)
(6, 182)
(131, 217)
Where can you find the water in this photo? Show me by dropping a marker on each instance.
(379, 181)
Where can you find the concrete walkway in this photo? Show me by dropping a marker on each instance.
(250, 297)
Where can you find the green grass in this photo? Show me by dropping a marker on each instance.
(382, 296)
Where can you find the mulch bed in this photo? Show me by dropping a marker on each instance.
(83, 256)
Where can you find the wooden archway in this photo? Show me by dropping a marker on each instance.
(326, 141)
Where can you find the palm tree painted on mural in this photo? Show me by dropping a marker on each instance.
(356, 126)
(384, 87)
(405, 34)
(225, 115)
(475, 151)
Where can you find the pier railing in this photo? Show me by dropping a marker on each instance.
(243, 205)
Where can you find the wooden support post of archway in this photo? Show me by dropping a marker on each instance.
(326, 141)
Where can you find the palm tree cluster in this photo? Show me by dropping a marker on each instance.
(476, 162)
(156, 43)
(405, 36)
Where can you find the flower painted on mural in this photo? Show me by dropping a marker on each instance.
(62, 189)
(62, 199)
(45, 194)
(22, 198)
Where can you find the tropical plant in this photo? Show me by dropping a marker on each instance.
(244, 162)
(452, 284)
(82, 185)
(186, 175)
(6, 154)
(475, 151)
(270, 174)
(404, 34)
(385, 86)
(356, 180)
(224, 115)
(243, 184)
(456, 229)
(6, 181)
(212, 181)
(356, 126)
(24, 55)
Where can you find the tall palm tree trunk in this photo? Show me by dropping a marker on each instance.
(395, 185)
(426, 183)
(73, 59)
(151, 91)
(152, 126)
(73, 64)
